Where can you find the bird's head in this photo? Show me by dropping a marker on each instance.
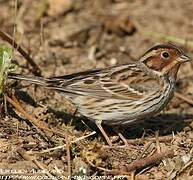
(164, 59)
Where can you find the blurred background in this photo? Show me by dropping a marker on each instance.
(83, 34)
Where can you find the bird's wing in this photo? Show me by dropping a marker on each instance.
(122, 82)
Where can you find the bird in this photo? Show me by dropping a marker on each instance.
(121, 94)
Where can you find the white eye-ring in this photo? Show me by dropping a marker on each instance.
(165, 55)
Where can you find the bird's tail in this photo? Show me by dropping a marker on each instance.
(33, 79)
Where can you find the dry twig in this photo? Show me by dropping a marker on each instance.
(157, 142)
(30, 118)
(108, 171)
(156, 158)
(62, 146)
(184, 98)
(185, 167)
(143, 140)
(68, 156)
(38, 164)
(36, 70)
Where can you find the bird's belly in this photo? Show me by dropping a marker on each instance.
(117, 111)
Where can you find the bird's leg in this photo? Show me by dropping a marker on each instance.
(104, 134)
(121, 137)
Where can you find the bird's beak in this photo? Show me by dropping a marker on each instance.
(184, 58)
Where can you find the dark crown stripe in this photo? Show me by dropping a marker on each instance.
(164, 46)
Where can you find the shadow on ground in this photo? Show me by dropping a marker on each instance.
(166, 124)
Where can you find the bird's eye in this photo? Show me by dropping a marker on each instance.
(165, 55)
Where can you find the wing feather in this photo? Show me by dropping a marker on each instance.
(121, 82)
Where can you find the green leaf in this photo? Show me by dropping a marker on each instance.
(5, 65)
